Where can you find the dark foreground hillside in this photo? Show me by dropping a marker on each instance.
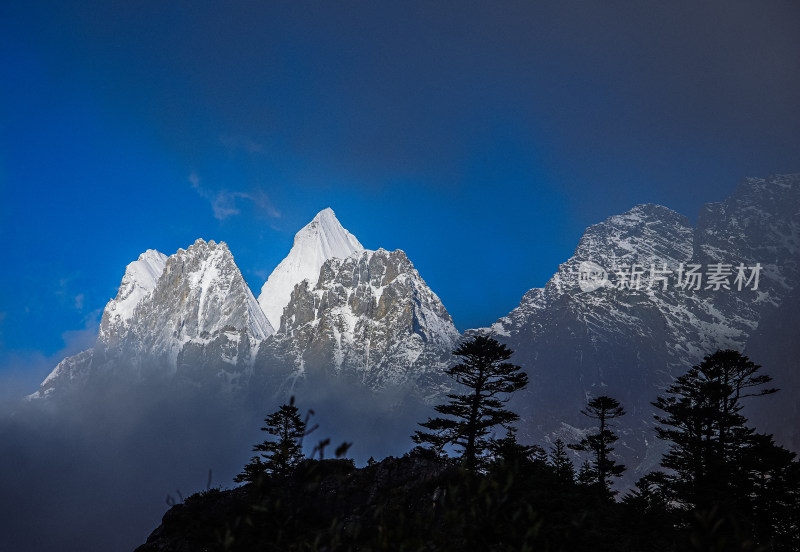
(418, 502)
(724, 487)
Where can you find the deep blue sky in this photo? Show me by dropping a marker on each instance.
(481, 138)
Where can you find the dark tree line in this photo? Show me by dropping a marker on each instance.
(723, 487)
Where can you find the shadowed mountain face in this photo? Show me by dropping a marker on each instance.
(670, 294)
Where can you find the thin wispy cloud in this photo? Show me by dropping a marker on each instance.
(226, 203)
(264, 204)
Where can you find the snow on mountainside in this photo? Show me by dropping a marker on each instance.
(350, 313)
(190, 315)
(139, 280)
(639, 319)
(321, 239)
(370, 319)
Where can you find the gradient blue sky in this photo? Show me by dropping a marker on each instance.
(480, 137)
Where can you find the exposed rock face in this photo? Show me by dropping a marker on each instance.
(190, 316)
(140, 279)
(629, 343)
(371, 319)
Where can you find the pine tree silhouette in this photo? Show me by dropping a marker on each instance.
(602, 409)
(719, 468)
(281, 455)
(490, 380)
(559, 460)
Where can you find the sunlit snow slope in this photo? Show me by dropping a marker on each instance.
(321, 239)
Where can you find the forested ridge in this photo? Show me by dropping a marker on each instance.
(470, 485)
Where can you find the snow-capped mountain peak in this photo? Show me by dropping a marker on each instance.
(190, 315)
(321, 239)
(140, 279)
(208, 272)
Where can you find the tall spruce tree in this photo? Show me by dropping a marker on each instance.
(708, 434)
(490, 381)
(282, 454)
(717, 463)
(602, 409)
(559, 460)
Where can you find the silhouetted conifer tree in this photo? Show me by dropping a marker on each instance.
(702, 420)
(470, 416)
(281, 455)
(559, 460)
(719, 467)
(509, 451)
(602, 409)
(586, 475)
